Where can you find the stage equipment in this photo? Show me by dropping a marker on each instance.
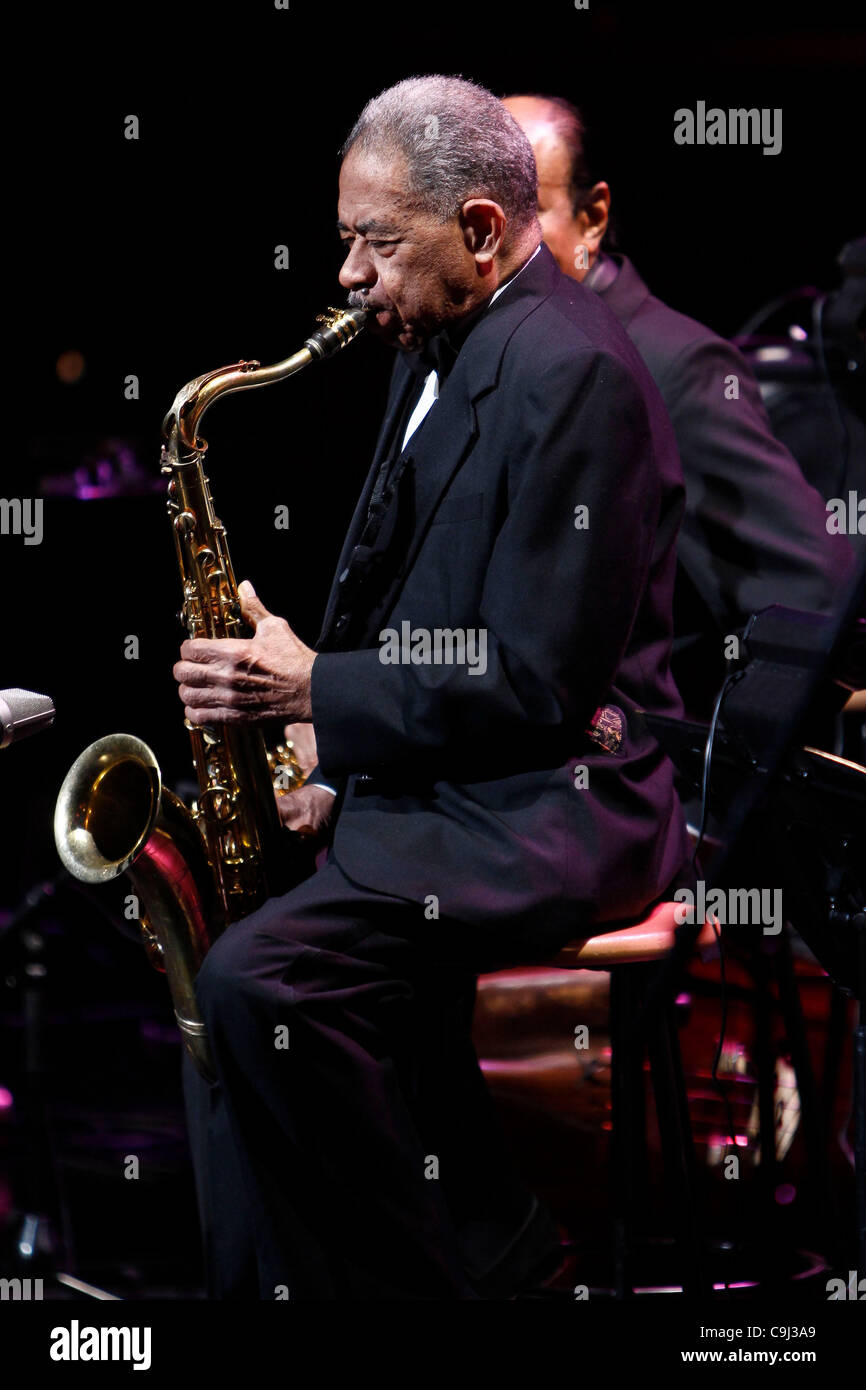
(22, 713)
(805, 808)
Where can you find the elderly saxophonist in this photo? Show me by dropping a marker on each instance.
(526, 487)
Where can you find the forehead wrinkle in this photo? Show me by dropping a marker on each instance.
(374, 194)
(370, 224)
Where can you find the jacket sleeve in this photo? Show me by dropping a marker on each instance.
(558, 601)
(754, 531)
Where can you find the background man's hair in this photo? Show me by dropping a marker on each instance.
(459, 142)
(570, 125)
(571, 129)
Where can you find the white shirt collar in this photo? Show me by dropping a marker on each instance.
(430, 391)
(511, 279)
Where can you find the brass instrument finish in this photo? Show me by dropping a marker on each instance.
(199, 870)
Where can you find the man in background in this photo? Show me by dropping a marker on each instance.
(754, 532)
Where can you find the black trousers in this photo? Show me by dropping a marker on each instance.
(327, 1154)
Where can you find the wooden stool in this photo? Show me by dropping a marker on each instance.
(642, 1020)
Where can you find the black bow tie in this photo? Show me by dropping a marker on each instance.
(439, 356)
(440, 353)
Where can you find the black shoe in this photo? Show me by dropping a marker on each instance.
(502, 1262)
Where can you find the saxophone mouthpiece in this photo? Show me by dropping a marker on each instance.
(339, 327)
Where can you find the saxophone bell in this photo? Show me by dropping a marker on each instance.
(113, 816)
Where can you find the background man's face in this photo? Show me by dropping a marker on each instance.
(560, 228)
(418, 271)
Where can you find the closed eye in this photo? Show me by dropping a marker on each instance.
(377, 245)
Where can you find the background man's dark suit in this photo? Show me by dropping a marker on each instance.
(754, 531)
(471, 794)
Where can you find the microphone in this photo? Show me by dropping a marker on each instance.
(23, 713)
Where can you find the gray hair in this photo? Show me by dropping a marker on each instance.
(459, 142)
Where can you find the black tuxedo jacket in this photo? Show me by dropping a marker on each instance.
(466, 786)
(754, 531)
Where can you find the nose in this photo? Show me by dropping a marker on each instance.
(357, 270)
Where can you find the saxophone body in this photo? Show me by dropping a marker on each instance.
(194, 870)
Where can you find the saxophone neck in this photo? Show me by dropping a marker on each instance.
(180, 438)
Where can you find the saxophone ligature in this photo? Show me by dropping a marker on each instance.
(196, 870)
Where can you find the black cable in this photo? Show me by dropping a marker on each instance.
(714, 1074)
(705, 808)
(841, 427)
(761, 315)
(708, 757)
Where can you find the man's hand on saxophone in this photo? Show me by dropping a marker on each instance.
(245, 680)
(308, 810)
(302, 738)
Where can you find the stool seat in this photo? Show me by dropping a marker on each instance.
(646, 941)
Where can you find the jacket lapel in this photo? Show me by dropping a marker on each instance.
(433, 456)
(439, 446)
(625, 295)
(401, 384)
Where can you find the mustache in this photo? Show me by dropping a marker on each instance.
(358, 299)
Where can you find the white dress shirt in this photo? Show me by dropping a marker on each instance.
(427, 399)
(430, 392)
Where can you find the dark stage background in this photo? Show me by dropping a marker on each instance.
(155, 257)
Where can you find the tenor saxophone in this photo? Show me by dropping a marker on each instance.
(194, 870)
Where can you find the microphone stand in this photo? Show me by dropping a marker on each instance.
(38, 1241)
(43, 1242)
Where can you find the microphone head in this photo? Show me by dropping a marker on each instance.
(22, 713)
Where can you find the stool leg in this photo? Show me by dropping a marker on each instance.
(769, 1213)
(837, 1036)
(628, 1127)
(678, 1154)
(814, 1129)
